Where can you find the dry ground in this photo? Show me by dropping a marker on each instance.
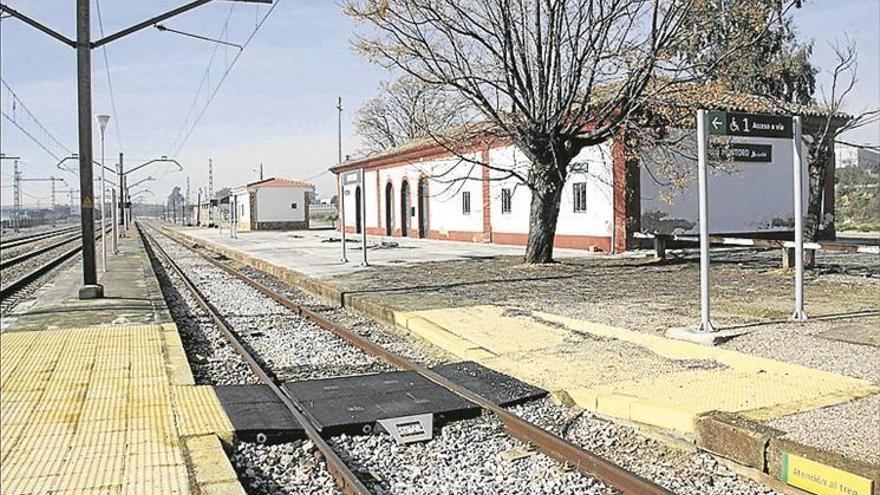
(747, 287)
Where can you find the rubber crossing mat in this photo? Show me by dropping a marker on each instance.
(352, 404)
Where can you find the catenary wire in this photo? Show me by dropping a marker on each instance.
(225, 74)
(109, 79)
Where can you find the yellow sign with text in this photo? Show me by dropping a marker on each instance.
(822, 479)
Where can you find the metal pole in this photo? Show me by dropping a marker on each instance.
(91, 289)
(799, 313)
(340, 179)
(114, 220)
(103, 209)
(186, 207)
(702, 179)
(364, 216)
(121, 205)
(211, 216)
(52, 180)
(16, 197)
(233, 218)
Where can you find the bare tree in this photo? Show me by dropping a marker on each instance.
(822, 136)
(549, 76)
(407, 109)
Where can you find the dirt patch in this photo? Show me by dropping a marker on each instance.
(747, 287)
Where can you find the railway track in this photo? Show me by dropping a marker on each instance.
(24, 240)
(28, 271)
(549, 444)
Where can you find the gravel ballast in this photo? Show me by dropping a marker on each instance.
(297, 349)
(682, 470)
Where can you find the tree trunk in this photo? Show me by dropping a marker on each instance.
(817, 171)
(542, 222)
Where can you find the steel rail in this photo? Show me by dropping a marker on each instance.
(21, 282)
(347, 481)
(36, 252)
(21, 241)
(546, 442)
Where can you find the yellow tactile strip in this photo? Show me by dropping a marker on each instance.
(101, 410)
(580, 361)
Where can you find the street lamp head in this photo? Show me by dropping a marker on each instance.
(102, 122)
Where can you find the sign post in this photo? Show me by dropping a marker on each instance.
(348, 178)
(799, 313)
(716, 123)
(702, 182)
(363, 182)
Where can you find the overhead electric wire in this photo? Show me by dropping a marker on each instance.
(225, 74)
(19, 103)
(28, 134)
(109, 80)
(205, 75)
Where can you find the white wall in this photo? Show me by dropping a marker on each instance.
(243, 207)
(592, 165)
(743, 197)
(274, 204)
(445, 208)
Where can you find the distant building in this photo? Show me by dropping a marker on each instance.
(272, 204)
(421, 190)
(847, 156)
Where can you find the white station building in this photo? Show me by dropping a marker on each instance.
(272, 204)
(420, 190)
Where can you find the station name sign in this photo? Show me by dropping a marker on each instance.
(749, 125)
(351, 178)
(744, 152)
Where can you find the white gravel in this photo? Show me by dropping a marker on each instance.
(683, 472)
(463, 457)
(851, 429)
(293, 467)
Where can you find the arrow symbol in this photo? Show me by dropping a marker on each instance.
(716, 124)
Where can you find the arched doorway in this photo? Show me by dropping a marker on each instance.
(404, 209)
(423, 207)
(389, 209)
(357, 209)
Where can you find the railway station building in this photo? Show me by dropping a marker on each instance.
(423, 190)
(272, 204)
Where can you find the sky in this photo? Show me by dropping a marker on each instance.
(277, 105)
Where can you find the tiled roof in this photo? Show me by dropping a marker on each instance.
(280, 182)
(679, 99)
(693, 96)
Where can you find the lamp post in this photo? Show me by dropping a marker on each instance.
(102, 124)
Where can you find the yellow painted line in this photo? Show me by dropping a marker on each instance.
(627, 374)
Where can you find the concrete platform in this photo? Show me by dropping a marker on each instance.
(131, 296)
(97, 396)
(317, 253)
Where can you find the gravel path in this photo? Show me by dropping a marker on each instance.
(851, 429)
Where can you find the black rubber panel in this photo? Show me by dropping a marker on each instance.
(352, 404)
(254, 409)
(496, 387)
